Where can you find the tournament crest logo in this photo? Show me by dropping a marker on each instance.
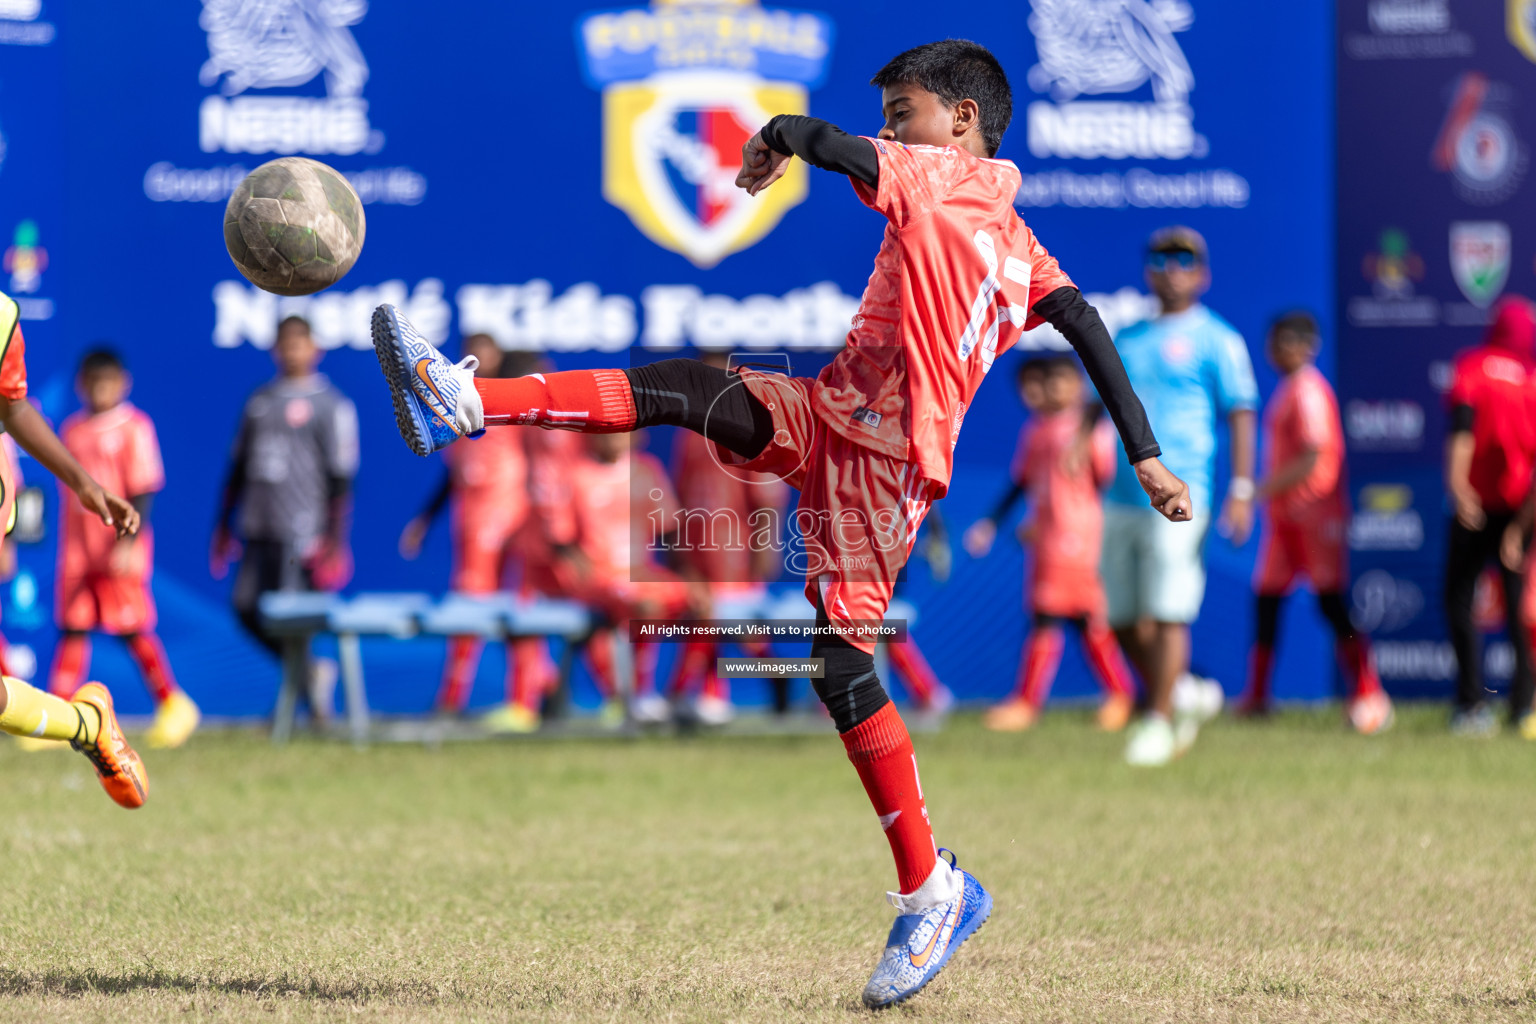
(1477, 144)
(1520, 26)
(685, 84)
(1480, 259)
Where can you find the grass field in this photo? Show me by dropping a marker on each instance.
(1282, 872)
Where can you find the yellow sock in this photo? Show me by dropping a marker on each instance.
(32, 712)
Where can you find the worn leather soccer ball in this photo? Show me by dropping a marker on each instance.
(294, 226)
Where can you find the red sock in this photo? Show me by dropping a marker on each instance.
(149, 654)
(1260, 661)
(1107, 659)
(1359, 667)
(909, 662)
(591, 401)
(600, 661)
(70, 660)
(1042, 653)
(643, 653)
(529, 671)
(458, 673)
(692, 661)
(881, 751)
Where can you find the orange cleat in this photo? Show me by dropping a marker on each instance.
(121, 771)
(1014, 715)
(1115, 712)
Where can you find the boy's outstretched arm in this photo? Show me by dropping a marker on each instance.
(765, 157)
(38, 440)
(1066, 310)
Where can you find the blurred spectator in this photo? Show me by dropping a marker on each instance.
(103, 579)
(1308, 510)
(1188, 365)
(488, 483)
(1065, 455)
(290, 479)
(1488, 461)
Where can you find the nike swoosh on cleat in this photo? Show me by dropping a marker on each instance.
(440, 413)
(919, 961)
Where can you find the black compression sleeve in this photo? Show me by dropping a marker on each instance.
(1461, 419)
(1066, 310)
(1006, 502)
(823, 145)
(434, 505)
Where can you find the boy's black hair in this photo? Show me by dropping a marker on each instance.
(1046, 362)
(292, 322)
(955, 70)
(100, 358)
(1298, 322)
(1027, 367)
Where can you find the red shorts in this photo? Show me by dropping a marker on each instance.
(1289, 549)
(1067, 591)
(99, 601)
(859, 510)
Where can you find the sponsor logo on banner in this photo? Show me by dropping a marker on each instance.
(1480, 253)
(1477, 144)
(285, 44)
(1520, 26)
(685, 84)
(25, 260)
(1386, 520)
(1408, 29)
(1386, 426)
(1383, 603)
(1392, 270)
(21, 24)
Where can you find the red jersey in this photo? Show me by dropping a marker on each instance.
(721, 510)
(1068, 506)
(953, 282)
(118, 448)
(490, 481)
(1496, 382)
(13, 356)
(618, 511)
(1303, 414)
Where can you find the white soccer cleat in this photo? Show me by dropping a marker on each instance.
(930, 925)
(711, 710)
(650, 709)
(1151, 743)
(435, 398)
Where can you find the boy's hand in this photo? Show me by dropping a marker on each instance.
(1236, 520)
(411, 537)
(1469, 510)
(109, 508)
(978, 539)
(760, 166)
(1512, 547)
(1168, 494)
(223, 550)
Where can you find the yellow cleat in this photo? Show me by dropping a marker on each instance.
(511, 719)
(1528, 726)
(175, 719)
(1014, 715)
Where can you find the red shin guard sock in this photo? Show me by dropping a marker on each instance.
(458, 673)
(881, 751)
(600, 661)
(530, 674)
(1108, 660)
(149, 654)
(644, 654)
(1042, 653)
(70, 660)
(692, 663)
(591, 401)
(1261, 661)
(1359, 667)
(909, 663)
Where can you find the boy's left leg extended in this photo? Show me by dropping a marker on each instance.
(88, 723)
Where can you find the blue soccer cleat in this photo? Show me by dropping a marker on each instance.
(922, 940)
(435, 399)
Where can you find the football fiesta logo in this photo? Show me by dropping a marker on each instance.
(685, 83)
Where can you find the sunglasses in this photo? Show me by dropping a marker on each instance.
(1182, 259)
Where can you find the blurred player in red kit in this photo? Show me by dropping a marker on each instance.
(88, 722)
(869, 443)
(1303, 489)
(488, 485)
(103, 579)
(1063, 461)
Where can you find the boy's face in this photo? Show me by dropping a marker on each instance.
(1177, 278)
(916, 117)
(608, 447)
(1063, 389)
(1032, 389)
(295, 353)
(1289, 351)
(103, 389)
(487, 351)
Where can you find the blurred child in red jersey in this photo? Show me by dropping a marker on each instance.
(103, 579)
(1063, 461)
(488, 484)
(1303, 491)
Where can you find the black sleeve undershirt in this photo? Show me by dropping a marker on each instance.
(823, 145)
(1006, 502)
(1066, 310)
(1461, 419)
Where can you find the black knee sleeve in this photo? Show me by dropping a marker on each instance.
(849, 686)
(1332, 607)
(705, 399)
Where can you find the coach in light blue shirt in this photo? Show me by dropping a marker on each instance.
(1190, 367)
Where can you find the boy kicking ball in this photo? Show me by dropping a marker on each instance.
(868, 443)
(87, 722)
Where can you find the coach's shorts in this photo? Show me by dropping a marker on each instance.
(101, 602)
(859, 510)
(1152, 568)
(1314, 549)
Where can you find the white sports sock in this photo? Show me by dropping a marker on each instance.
(942, 885)
(469, 411)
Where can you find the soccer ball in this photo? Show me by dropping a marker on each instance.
(294, 226)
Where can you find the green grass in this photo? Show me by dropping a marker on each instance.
(1281, 872)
